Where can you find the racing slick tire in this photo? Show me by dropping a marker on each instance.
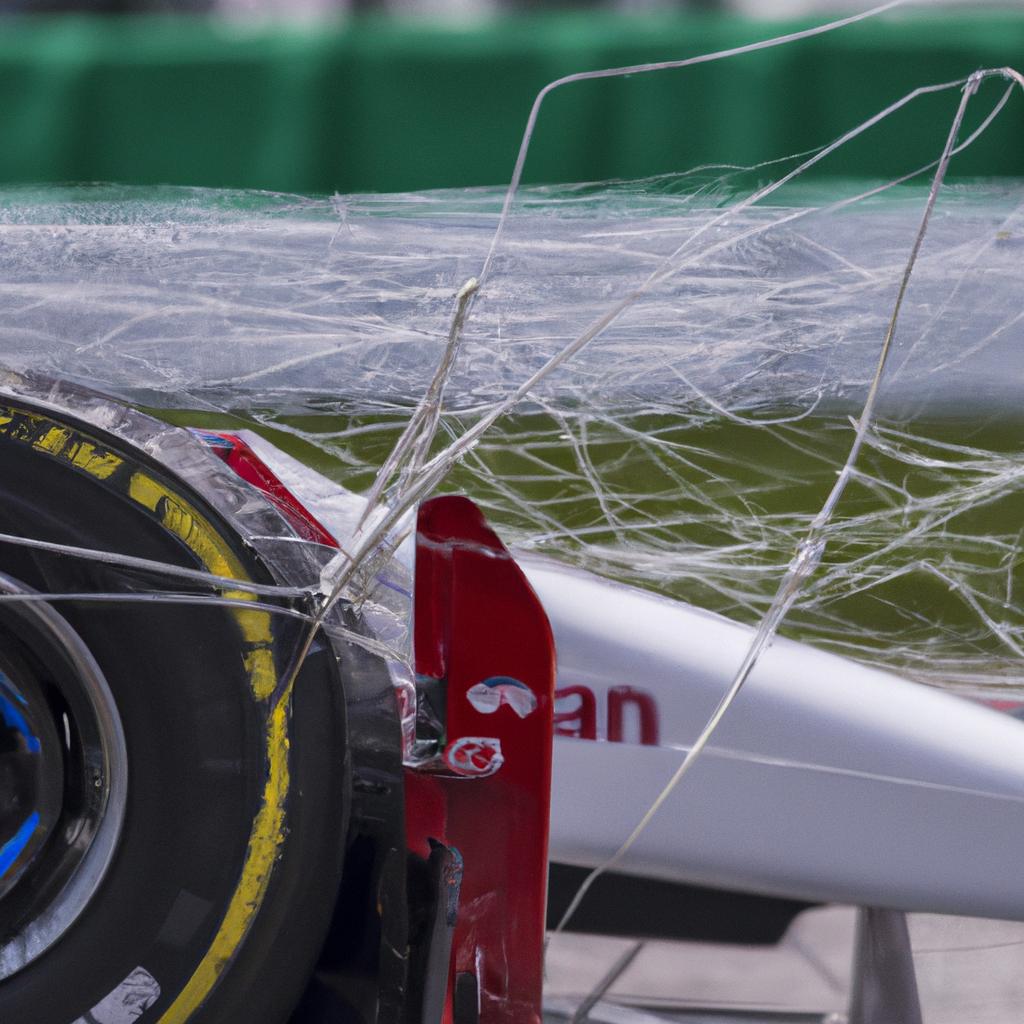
(175, 812)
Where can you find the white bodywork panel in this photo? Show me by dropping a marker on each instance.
(827, 780)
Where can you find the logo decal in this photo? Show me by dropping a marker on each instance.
(474, 755)
(489, 695)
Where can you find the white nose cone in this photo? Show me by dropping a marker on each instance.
(826, 781)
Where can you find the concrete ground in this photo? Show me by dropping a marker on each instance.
(969, 971)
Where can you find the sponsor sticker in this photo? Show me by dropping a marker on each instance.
(475, 756)
(488, 696)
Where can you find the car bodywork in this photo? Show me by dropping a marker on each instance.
(830, 782)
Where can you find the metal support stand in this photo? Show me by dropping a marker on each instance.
(884, 989)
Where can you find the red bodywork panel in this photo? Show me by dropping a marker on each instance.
(253, 470)
(480, 627)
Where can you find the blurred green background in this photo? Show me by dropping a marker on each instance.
(372, 102)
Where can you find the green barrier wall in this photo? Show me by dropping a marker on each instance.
(371, 104)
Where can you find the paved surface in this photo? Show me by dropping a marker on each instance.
(969, 971)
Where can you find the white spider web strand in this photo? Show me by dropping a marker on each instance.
(810, 550)
(437, 468)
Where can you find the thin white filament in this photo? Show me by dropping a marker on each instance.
(809, 551)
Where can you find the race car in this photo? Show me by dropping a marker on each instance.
(225, 796)
(202, 763)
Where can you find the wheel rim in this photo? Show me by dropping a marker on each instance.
(63, 776)
(31, 772)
